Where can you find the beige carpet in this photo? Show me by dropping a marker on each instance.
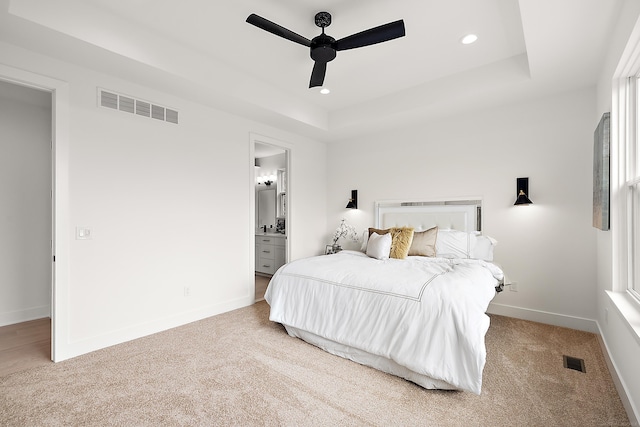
(240, 369)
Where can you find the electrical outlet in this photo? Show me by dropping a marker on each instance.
(187, 291)
(513, 286)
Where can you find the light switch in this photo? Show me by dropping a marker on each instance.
(83, 233)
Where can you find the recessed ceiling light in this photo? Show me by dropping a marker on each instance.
(325, 91)
(469, 38)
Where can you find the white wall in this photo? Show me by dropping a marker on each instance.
(548, 247)
(622, 343)
(25, 215)
(169, 206)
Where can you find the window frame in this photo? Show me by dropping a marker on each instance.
(623, 169)
(632, 187)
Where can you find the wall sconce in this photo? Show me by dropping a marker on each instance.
(353, 201)
(522, 192)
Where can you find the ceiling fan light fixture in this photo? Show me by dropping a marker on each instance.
(469, 39)
(325, 91)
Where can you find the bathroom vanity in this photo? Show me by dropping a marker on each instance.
(270, 252)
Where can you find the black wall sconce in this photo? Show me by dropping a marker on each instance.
(522, 192)
(353, 201)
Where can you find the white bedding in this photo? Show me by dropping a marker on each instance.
(424, 314)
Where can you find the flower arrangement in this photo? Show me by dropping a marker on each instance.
(344, 230)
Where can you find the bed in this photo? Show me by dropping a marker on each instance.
(420, 317)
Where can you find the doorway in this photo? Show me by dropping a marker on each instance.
(26, 223)
(271, 228)
(61, 347)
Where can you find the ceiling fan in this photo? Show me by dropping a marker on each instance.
(324, 47)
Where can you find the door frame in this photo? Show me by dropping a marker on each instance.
(288, 148)
(60, 234)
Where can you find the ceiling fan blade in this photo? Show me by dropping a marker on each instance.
(278, 30)
(380, 34)
(318, 73)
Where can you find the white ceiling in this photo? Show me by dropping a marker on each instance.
(204, 50)
(266, 150)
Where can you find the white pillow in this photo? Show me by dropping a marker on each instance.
(460, 244)
(379, 246)
(365, 239)
(483, 249)
(454, 244)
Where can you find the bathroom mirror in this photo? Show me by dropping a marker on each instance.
(267, 208)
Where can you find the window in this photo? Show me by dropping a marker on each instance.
(632, 185)
(634, 253)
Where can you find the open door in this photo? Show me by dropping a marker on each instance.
(270, 181)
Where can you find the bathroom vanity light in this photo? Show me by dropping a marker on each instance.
(522, 185)
(266, 179)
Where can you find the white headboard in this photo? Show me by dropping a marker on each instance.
(463, 215)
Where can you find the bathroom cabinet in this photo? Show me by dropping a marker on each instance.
(270, 252)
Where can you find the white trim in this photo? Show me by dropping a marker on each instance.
(618, 382)
(25, 315)
(441, 212)
(60, 205)
(129, 333)
(626, 305)
(630, 317)
(555, 319)
(629, 158)
(618, 198)
(253, 138)
(623, 122)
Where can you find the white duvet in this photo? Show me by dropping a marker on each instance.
(426, 314)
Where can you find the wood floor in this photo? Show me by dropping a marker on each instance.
(25, 345)
(28, 345)
(261, 286)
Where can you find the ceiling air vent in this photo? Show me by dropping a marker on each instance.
(157, 112)
(127, 104)
(109, 100)
(172, 116)
(143, 108)
(138, 107)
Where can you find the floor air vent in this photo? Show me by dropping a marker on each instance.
(136, 106)
(574, 363)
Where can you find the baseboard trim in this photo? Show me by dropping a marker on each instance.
(88, 345)
(19, 316)
(620, 385)
(572, 322)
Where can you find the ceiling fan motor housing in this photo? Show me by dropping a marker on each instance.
(323, 48)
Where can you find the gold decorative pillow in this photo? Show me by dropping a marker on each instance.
(401, 238)
(424, 243)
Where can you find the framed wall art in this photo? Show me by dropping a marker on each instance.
(601, 163)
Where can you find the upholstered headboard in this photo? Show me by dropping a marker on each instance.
(463, 215)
